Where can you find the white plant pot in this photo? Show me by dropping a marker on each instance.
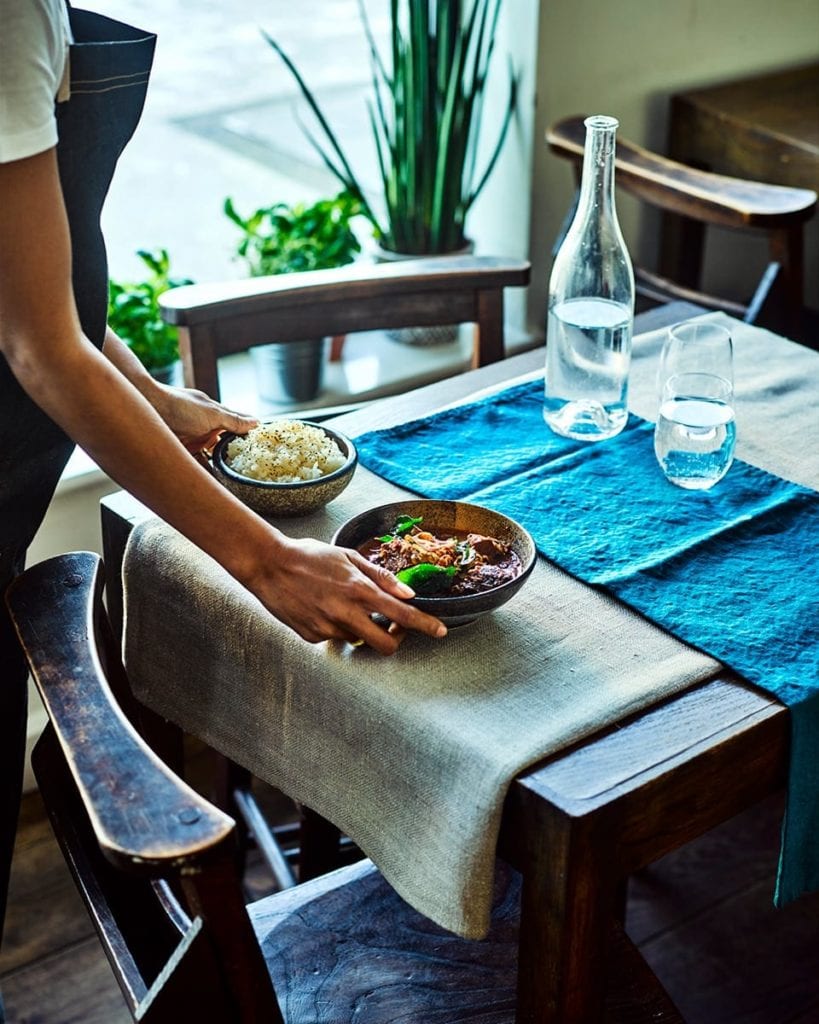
(445, 334)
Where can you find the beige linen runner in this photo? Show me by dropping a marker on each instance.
(410, 755)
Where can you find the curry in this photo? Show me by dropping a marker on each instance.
(438, 562)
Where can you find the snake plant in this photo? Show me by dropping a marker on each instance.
(425, 113)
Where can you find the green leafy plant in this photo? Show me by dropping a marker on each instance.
(425, 116)
(134, 312)
(284, 239)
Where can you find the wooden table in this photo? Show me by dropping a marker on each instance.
(765, 128)
(577, 825)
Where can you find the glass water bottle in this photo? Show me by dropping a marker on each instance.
(591, 306)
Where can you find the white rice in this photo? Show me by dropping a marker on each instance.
(284, 452)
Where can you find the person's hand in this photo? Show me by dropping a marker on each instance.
(329, 593)
(196, 419)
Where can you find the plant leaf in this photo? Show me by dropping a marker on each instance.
(425, 116)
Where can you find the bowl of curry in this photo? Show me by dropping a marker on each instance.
(462, 560)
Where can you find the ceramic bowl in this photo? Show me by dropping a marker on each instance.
(279, 499)
(449, 515)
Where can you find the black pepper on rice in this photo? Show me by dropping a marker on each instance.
(284, 451)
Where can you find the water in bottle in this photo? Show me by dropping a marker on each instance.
(587, 368)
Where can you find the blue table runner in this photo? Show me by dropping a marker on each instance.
(731, 571)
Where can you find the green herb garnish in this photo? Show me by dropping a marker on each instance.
(425, 578)
(465, 554)
(403, 524)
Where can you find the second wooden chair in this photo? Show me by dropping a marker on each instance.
(700, 199)
(222, 319)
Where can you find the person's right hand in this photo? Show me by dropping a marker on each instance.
(196, 419)
(328, 593)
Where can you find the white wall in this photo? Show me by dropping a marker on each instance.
(626, 58)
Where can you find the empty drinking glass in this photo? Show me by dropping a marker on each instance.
(695, 433)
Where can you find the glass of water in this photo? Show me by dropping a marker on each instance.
(696, 431)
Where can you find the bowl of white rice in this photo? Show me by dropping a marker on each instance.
(285, 467)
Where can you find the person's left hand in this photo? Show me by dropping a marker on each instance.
(196, 419)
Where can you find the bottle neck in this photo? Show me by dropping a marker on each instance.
(593, 261)
(597, 182)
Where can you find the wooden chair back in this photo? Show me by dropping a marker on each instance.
(216, 320)
(153, 860)
(703, 199)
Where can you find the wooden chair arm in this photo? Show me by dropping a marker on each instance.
(144, 817)
(216, 320)
(714, 198)
(332, 290)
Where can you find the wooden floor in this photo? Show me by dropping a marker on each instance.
(702, 917)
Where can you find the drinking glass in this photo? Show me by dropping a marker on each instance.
(696, 431)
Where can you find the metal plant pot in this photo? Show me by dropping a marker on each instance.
(291, 371)
(169, 374)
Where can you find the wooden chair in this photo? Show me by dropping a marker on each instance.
(222, 319)
(701, 199)
(154, 864)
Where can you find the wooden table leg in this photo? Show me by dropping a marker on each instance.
(569, 901)
(320, 845)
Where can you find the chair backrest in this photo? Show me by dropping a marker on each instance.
(704, 199)
(216, 320)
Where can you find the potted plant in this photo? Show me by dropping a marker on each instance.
(285, 239)
(425, 114)
(134, 314)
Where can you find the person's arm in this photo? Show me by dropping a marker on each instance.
(320, 591)
(196, 419)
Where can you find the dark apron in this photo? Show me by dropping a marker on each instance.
(109, 67)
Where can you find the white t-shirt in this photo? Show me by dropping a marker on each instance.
(34, 40)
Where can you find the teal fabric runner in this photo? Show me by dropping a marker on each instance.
(731, 571)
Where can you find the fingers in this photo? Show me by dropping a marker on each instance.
(393, 603)
(412, 618)
(352, 622)
(218, 420)
(397, 631)
(380, 639)
(384, 578)
(238, 422)
(366, 633)
(198, 420)
(328, 593)
(202, 443)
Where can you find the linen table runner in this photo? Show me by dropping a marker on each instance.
(731, 571)
(410, 755)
